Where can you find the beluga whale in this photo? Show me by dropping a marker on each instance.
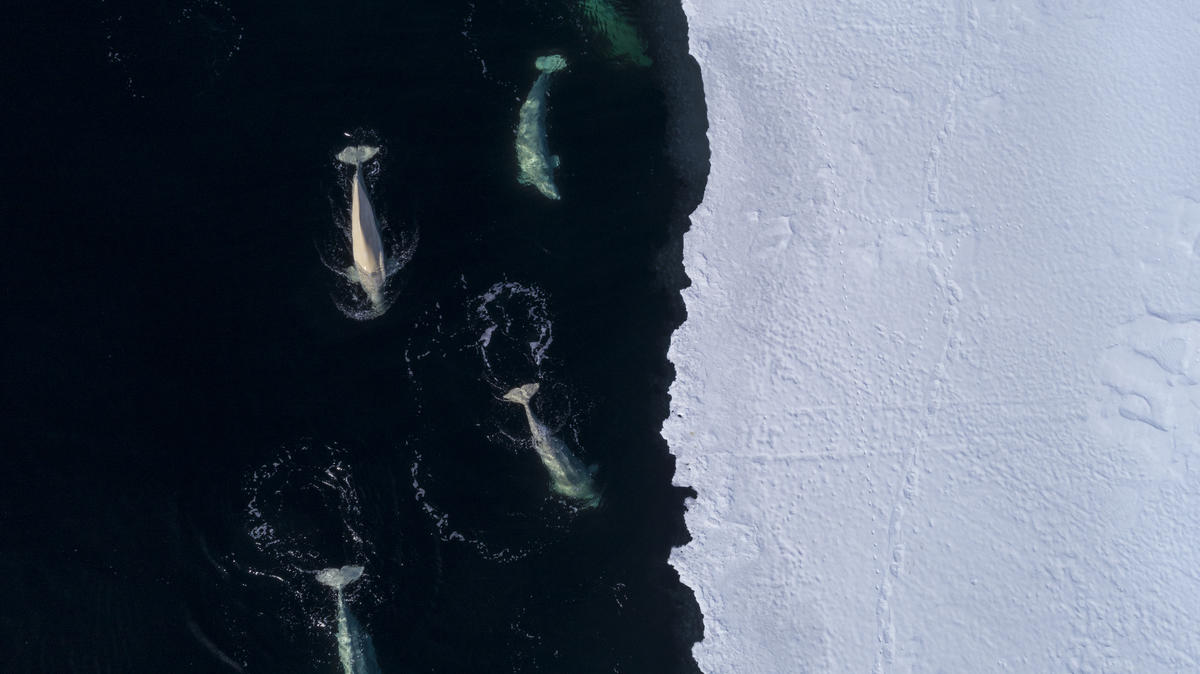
(369, 269)
(355, 651)
(624, 43)
(534, 162)
(568, 476)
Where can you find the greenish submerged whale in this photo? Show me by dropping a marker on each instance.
(355, 651)
(624, 43)
(568, 476)
(535, 164)
(368, 270)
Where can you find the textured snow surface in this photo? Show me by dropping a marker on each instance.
(937, 388)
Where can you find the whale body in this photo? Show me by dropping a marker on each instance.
(368, 270)
(534, 162)
(355, 651)
(624, 43)
(568, 476)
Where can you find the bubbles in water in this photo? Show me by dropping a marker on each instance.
(303, 513)
(531, 526)
(507, 328)
(513, 333)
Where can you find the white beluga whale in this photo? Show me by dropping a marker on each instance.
(369, 269)
(355, 651)
(568, 476)
(534, 162)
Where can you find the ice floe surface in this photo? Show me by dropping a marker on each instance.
(937, 388)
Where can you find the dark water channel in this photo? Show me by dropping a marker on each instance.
(192, 425)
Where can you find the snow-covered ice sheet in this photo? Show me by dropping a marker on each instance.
(938, 385)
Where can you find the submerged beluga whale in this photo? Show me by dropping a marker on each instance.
(369, 269)
(624, 43)
(568, 476)
(355, 651)
(534, 162)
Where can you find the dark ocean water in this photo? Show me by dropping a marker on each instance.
(192, 425)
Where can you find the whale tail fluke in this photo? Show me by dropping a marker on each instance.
(521, 394)
(339, 578)
(357, 154)
(550, 64)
